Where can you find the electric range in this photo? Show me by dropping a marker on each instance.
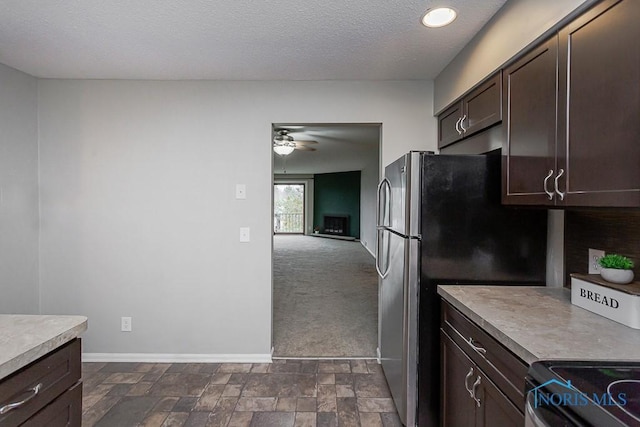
(583, 393)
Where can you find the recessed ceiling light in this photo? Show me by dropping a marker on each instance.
(439, 17)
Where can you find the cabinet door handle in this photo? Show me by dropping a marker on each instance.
(475, 387)
(10, 406)
(560, 193)
(466, 382)
(457, 126)
(476, 348)
(462, 123)
(549, 193)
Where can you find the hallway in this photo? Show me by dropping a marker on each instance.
(325, 298)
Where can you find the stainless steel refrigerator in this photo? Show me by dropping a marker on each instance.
(440, 221)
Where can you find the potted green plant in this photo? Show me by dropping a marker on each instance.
(616, 269)
(316, 229)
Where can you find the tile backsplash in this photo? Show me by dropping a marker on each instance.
(613, 231)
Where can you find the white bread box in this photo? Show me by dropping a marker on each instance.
(616, 302)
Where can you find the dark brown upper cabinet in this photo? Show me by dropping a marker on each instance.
(529, 132)
(476, 111)
(599, 120)
(572, 132)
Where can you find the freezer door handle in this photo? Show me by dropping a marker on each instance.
(381, 254)
(384, 202)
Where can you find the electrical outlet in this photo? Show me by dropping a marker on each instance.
(125, 324)
(594, 257)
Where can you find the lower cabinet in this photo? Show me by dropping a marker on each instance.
(47, 392)
(458, 406)
(66, 410)
(470, 398)
(482, 383)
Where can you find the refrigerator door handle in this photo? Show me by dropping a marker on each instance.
(384, 203)
(380, 255)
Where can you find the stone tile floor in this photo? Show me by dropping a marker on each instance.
(284, 393)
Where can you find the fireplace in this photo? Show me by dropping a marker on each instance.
(336, 224)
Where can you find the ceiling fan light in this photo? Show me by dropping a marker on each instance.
(439, 17)
(283, 149)
(283, 143)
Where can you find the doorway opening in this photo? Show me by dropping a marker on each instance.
(325, 285)
(288, 208)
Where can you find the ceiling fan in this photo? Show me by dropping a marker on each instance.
(284, 144)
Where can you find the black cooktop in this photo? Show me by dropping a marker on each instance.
(598, 392)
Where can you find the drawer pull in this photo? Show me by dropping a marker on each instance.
(475, 387)
(8, 407)
(476, 348)
(466, 382)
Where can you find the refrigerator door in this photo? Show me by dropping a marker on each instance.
(399, 321)
(392, 300)
(396, 176)
(403, 179)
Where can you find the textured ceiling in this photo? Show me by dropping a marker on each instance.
(233, 39)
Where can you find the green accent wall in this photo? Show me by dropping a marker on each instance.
(337, 194)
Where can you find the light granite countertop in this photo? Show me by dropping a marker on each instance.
(540, 323)
(25, 338)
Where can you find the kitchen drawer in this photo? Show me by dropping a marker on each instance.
(66, 410)
(505, 369)
(52, 375)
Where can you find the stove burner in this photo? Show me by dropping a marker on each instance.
(631, 389)
(595, 379)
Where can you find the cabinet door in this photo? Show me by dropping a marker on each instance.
(482, 107)
(66, 410)
(493, 407)
(449, 130)
(529, 144)
(458, 373)
(600, 127)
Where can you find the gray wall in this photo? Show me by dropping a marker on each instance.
(138, 209)
(369, 178)
(517, 23)
(18, 192)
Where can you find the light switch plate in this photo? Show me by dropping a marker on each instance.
(594, 257)
(245, 234)
(241, 191)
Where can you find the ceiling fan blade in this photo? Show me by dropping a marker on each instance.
(305, 142)
(304, 148)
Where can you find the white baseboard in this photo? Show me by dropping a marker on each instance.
(176, 358)
(368, 250)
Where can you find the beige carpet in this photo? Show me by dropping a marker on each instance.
(325, 298)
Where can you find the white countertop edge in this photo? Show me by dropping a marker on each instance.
(21, 360)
